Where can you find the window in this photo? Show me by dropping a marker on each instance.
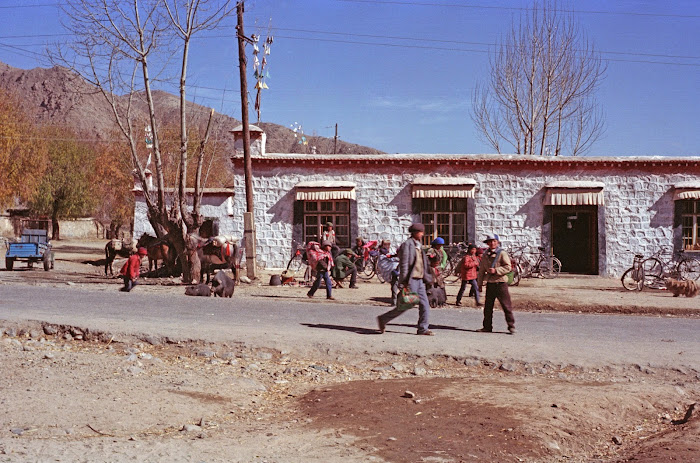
(443, 217)
(690, 222)
(317, 213)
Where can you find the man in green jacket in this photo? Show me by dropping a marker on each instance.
(344, 267)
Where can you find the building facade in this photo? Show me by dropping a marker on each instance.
(592, 213)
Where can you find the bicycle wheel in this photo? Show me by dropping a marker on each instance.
(653, 266)
(376, 270)
(451, 273)
(629, 282)
(516, 275)
(367, 270)
(689, 269)
(549, 268)
(295, 263)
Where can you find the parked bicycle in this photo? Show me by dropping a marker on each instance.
(298, 266)
(528, 265)
(455, 254)
(652, 271)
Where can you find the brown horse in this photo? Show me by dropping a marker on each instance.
(158, 250)
(213, 257)
(115, 248)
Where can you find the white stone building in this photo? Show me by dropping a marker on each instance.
(594, 213)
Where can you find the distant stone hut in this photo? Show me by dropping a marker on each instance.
(593, 213)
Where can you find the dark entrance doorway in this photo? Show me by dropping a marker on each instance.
(575, 238)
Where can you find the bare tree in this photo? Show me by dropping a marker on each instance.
(120, 47)
(540, 95)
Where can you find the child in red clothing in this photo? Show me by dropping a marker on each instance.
(131, 270)
(469, 273)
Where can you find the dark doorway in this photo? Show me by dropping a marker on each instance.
(575, 238)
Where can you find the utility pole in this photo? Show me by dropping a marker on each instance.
(248, 217)
(335, 140)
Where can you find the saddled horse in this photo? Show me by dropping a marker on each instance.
(158, 250)
(212, 257)
(115, 248)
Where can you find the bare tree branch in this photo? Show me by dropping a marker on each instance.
(540, 96)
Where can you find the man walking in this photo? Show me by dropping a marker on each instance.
(495, 264)
(414, 274)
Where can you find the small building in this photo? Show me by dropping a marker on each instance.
(593, 213)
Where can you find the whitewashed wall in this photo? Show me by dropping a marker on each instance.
(639, 205)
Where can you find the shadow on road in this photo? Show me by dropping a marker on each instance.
(352, 329)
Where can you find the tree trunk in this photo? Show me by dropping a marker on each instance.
(55, 231)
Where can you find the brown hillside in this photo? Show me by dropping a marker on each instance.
(56, 96)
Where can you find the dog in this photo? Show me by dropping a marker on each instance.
(688, 288)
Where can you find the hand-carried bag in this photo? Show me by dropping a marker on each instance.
(406, 299)
(510, 274)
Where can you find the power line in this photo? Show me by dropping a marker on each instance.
(390, 37)
(451, 5)
(512, 8)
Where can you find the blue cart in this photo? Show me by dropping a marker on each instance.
(33, 247)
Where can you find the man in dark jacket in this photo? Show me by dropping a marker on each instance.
(414, 274)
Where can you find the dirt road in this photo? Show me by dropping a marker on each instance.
(69, 394)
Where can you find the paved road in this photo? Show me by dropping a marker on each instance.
(579, 339)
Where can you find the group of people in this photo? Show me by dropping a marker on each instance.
(420, 269)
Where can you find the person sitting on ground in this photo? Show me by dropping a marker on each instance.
(132, 269)
(359, 250)
(344, 267)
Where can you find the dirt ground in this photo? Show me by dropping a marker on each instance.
(66, 397)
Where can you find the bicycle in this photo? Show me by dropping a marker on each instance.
(633, 278)
(544, 266)
(684, 268)
(298, 265)
(455, 254)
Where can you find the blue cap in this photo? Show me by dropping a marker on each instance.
(438, 240)
(492, 236)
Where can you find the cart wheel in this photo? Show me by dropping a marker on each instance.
(9, 262)
(47, 261)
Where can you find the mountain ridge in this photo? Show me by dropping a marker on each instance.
(56, 96)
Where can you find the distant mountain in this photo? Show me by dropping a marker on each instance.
(57, 96)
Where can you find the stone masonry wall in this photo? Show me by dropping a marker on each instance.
(639, 205)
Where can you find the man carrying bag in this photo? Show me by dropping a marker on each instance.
(414, 274)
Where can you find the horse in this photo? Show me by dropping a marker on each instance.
(115, 248)
(212, 257)
(158, 249)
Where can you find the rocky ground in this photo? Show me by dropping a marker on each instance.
(68, 396)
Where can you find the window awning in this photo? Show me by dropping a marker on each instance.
(686, 190)
(443, 187)
(323, 190)
(574, 193)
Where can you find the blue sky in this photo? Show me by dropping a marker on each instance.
(398, 75)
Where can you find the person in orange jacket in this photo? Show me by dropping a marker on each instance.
(131, 270)
(468, 274)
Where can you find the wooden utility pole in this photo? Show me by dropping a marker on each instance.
(335, 140)
(248, 218)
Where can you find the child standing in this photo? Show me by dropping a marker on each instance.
(469, 273)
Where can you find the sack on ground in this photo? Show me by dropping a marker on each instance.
(406, 299)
